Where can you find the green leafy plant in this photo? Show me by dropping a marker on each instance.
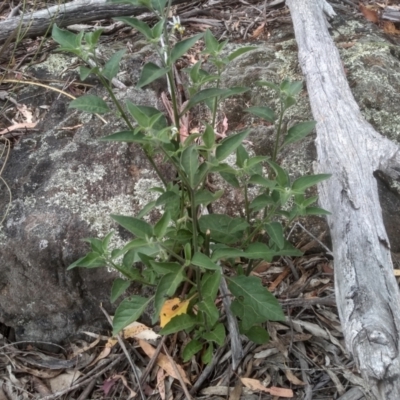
(188, 247)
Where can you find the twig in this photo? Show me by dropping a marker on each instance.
(128, 356)
(181, 381)
(153, 360)
(88, 389)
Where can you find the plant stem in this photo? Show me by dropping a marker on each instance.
(278, 133)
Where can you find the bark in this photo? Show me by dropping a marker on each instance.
(76, 12)
(349, 148)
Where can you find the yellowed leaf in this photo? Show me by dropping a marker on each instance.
(106, 351)
(254, 384)
(163, 362)
(258, 31)
(171, 309)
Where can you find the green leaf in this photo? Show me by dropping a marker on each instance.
(190, 162)
(85, 72)
(139, 25)
(289, 102)
(316, 211)
(210, 309)
(179, 323)
(157, 29)
(275, 232)
(289, 250)
(205, 197)
(209, 136)
(92, 38)
(211, 43)
(118, 288)
(90, 104)
(210, 284)
(282, 177)
(263, 112)
(125, 136)
(242, 50)
(91, 260)
(66, 39)
(291, 88)
(167, 197)
(106, 240)
(241, 156)
(150, 73)
(304, 182)
(254, 303)
(129, 311)
(192, 348)
(202, 261)
(298, 132)
(259, 250)
(271, 85)
(159, 5)
(164, 268)
(138, 227)
(161, 226)
(211, 93)
(226, 252)
(223, 229)
(146, 209)
(257, 334)
(111, 68)
(208, 354)
(231, 179)
(260, 180)
(230, 144)
(95, 244)
(182, 47)
(217, 335)
(260, 202)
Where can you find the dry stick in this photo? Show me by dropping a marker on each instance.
(304, 368)
(236, 343)
(128, 356)
(83, 383)
(178, 374)
(88, 389)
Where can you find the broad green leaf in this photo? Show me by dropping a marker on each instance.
(161, 226)
(254, 303)
(211, 43)
(159, 5)
(230, 144)
(210, 284)
(129, 311)
(91, 260)
(282, 177)
(260, 180)
(164, 268)
(118, 288)
(291, 88)
(150, 73)
(85, 72)
(157, 29)
(138, 227)
(257, 334)
(106, 240)
(211, 93)
(289, 250)
(208, 354)
(275, 232)
(260, 202)
(316, 211)
(96, 245)
(190, 162)
(167, 197)
(147, 116)
(205, 197)
(231, 179)
(263, 112)
(192, 348)
(223, 229)
(242, 50)
(182, 47)
(139, 25)
(111, 68)
(259, 250)
(92, 38)
(179, 323)
(209, 136)
(217, 335)
(90, 104)
(289, 102)
(304, 182)
(146, 209)
(202, 261)
(241, 156)
(226, 252)
(125, 136)
(298, 132)
(209, 308)
(66, 39)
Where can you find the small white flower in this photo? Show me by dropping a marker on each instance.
(176, 25)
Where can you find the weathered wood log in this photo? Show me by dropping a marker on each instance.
(351, 150)
(76, 12)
